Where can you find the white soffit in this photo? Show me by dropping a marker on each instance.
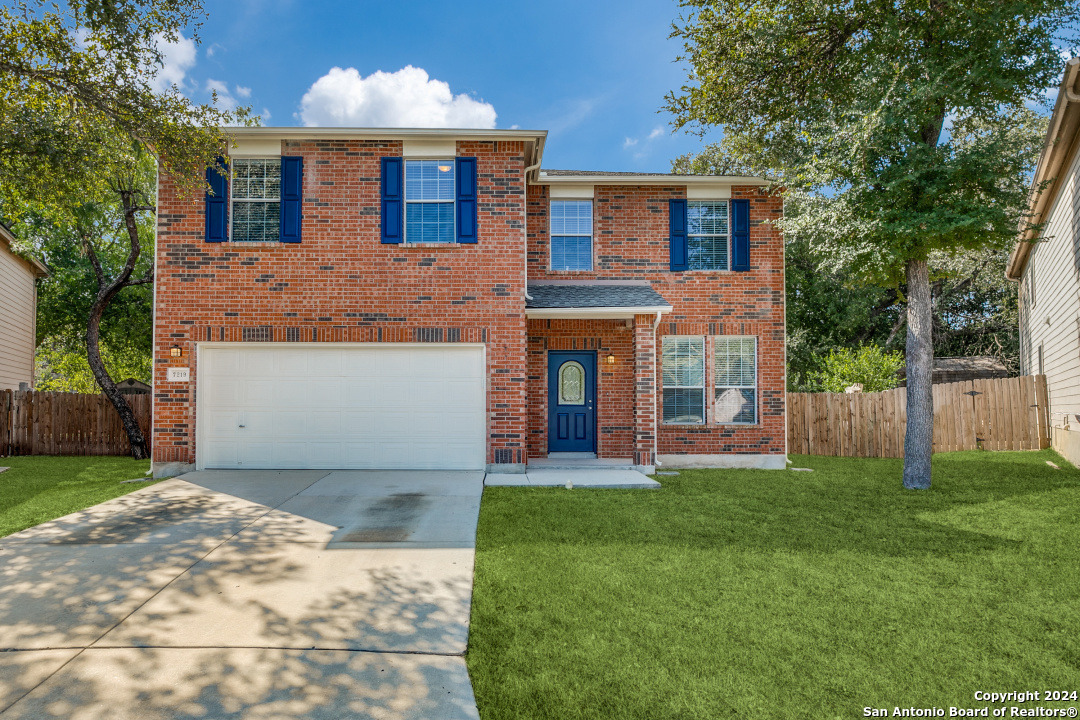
(256, 147)
(708, 192)
(429, 148)
(582, 191)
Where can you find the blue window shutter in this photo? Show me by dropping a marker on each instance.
(677, 223)
(217, 202)
(292, 190)
(393, 199)
(740, 235)
(465, 207)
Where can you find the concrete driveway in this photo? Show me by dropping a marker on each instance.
(246, 594)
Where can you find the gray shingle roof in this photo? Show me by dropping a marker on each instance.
(588, 296)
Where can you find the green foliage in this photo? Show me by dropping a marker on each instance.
(76, 94)
(846, 103)
(58, 235)
(62, 368)
(869, 366)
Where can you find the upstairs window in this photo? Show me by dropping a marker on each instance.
(429, 201)
(571, 235)
(256, 200)
(708, 235)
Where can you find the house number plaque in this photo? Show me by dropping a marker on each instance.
(176, 374)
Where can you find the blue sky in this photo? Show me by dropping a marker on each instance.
(592, 73)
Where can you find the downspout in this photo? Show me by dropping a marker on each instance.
(525, 196)
(656, 405)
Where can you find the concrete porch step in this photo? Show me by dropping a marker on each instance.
(608, 478)
(577, 461)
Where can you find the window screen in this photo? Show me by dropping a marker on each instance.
(735, 386)
(571, 235)
(708, 235)
(256, 200)
(429, 201)
(683, 361)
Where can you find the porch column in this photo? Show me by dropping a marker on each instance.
(644, 390)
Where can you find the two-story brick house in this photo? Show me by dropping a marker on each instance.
(374, 298)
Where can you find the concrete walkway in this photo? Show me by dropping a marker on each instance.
(246, 594)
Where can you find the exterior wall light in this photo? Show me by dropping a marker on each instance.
(610, 359)
(176, 351)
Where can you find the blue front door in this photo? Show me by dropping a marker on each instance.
(571, 402)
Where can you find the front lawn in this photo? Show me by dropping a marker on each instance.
(780, 594)
(40, 488)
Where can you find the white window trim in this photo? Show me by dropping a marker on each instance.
(591, 235)
(704, 381)
(405, 202)
(232, 198)
(727, 202)
(754, 387)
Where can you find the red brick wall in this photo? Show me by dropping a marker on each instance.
(614, 384)
(630, 235)
(342, 285)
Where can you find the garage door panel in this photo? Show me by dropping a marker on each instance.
(252, 363)
(327, 363)
(293, 363)
(342, 407)
(358, 423)
(257, 393)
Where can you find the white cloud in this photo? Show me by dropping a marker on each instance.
(657, 132)
(265, 114)
(406, 98)
(225, 99)
(629, 143)
(176, 59)
(243, 92)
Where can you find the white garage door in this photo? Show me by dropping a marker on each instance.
(276, 405)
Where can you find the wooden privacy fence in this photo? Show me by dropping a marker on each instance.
(998, 414)
(56, 423)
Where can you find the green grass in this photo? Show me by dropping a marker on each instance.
(773, 594)
(40, 488)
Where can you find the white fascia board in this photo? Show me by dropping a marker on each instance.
(594, 313)
(687, 180)
(343, 133)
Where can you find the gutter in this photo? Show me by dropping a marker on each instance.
(656, 405)
(1058, 147)
(538, 155)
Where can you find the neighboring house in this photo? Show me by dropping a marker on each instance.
(131, 386)
(351, 298)
(1047, 266)
(959, 369)
(18, 314)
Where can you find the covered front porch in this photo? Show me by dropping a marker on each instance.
(592, 393)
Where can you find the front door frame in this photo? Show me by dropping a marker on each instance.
(587, 359)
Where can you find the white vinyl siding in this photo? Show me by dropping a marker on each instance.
(17, 319)
(1049, 294)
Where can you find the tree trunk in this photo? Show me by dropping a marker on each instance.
(93, 356)
(919, 443)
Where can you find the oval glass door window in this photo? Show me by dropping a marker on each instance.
(572, 384)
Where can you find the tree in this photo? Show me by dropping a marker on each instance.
(78, 114)
(892, 124)
(869, 366)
